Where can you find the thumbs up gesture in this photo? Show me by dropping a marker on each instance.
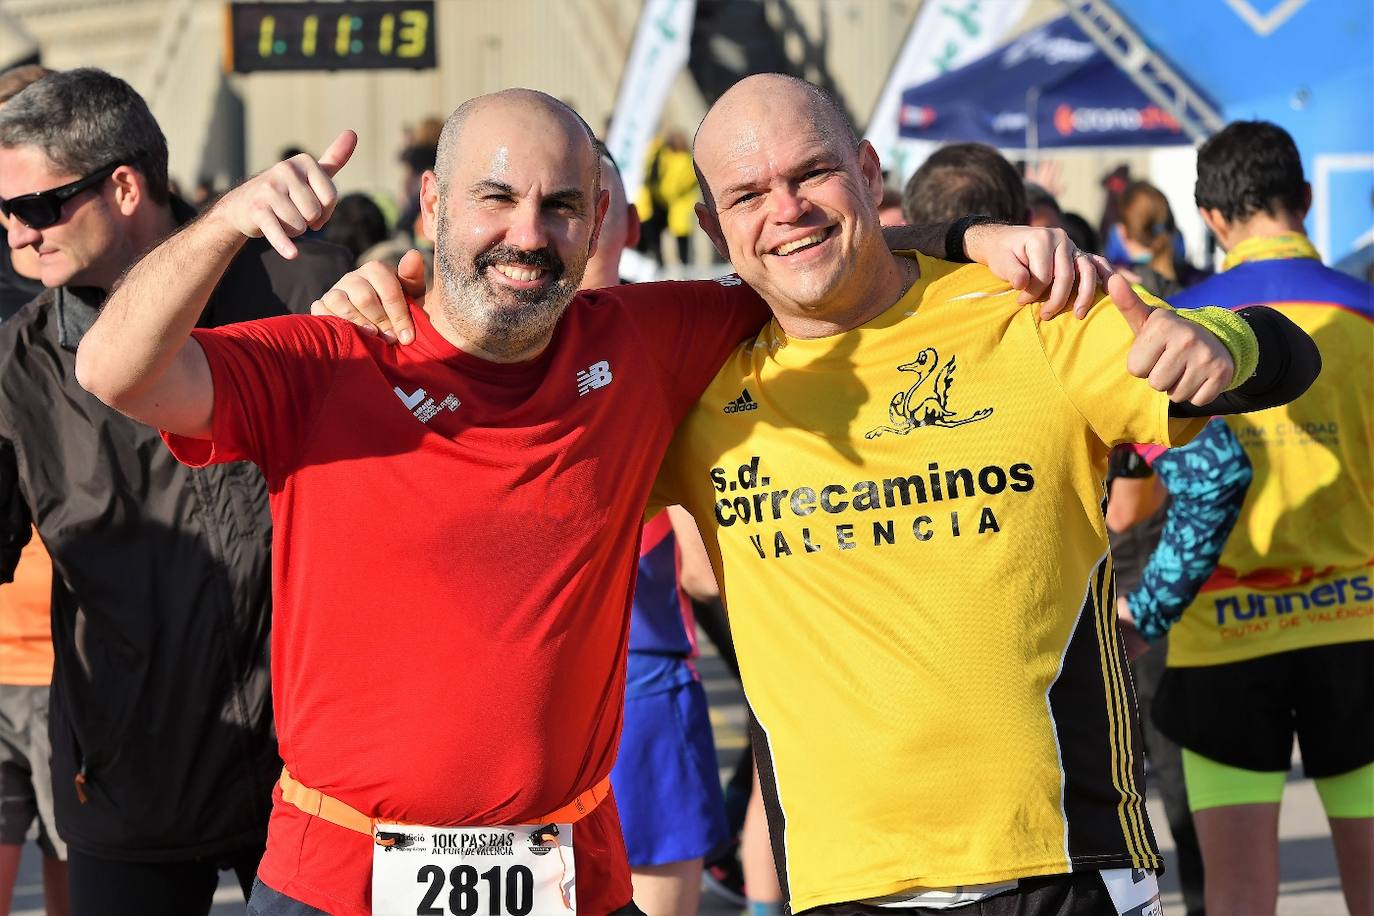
(1177, 356)
(290, 197)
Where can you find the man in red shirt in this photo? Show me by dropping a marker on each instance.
(473, 673)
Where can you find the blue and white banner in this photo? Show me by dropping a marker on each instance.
(1049, 88)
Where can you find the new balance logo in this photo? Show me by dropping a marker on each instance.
(423, 406)
(410, 400)
(597, 375)
(742, 403)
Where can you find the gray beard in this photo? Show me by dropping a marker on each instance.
(470, 302)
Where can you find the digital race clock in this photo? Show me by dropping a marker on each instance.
(348, 35)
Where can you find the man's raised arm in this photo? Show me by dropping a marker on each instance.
(139, 356)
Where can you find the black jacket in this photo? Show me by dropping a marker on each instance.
(161, 699)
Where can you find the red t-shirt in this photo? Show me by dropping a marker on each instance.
(454, 560)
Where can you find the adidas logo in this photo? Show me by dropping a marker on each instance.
(742, 403)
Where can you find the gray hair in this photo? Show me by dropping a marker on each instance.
(84, 119)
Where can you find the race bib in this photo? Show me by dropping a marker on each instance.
(1134, 891)
(473, 871)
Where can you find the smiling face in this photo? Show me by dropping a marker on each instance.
(514, 218)
(792, 199)
(87, 246)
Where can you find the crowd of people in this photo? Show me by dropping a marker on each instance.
(345, 603)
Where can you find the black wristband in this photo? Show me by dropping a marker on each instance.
(1289, 362)
(954, 238)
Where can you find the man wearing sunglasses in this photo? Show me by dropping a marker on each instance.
(163, 751)
(42, 209)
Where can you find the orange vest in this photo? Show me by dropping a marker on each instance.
(26, 620)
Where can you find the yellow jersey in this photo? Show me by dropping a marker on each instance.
(907, 521)
(1298, 570)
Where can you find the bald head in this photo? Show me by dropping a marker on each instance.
(791, 199)
(480, 115)
(734, 121)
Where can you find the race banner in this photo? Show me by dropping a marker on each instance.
(945, 35)
(661, 46)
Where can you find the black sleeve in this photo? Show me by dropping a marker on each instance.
(1289, 362)
(15, 520)
(317, 266)
(259, 283)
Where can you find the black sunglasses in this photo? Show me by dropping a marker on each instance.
(42, 209)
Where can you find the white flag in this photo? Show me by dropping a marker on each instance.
(662, 43)
(946, 35)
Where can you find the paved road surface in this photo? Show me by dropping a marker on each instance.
(1310, 886)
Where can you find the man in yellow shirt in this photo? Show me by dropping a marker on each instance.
(1280, 642)
(900, 484)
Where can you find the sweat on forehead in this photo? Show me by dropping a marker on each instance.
(484, 111)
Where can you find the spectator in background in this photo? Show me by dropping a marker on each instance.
(667, 201)
(1045, 211)
(357, 225)
(964, 178)
(18, 267)
(163, 753)
(1240, 683)
(418, 152)
(677, 188)
(1147, 241)
(1042, 207)
(651, 207)
(1114, 184)
(26, 660)
(26, 640)
(1082, 233)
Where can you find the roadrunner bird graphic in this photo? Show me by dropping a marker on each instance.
(907, 412)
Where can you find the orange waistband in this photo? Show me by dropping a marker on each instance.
(317, 804)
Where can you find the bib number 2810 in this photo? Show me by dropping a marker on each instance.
(473, 871)
(512, 886)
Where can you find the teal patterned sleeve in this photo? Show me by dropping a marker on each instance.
(1207, 480)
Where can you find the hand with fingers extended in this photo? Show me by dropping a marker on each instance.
(374, 297)
(1176, 356)
(287, 199)
(1044, 264)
